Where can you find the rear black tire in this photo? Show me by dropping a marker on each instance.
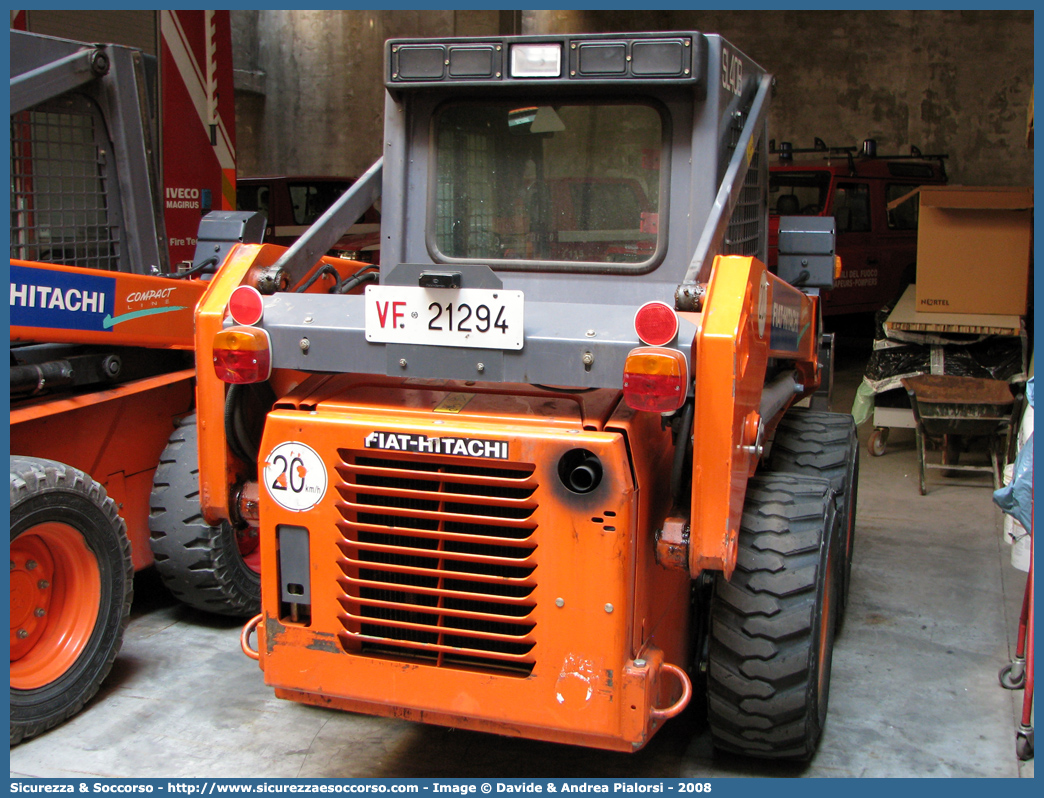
(772, 624)
(821, 444)
(200, 564)
(72, 582)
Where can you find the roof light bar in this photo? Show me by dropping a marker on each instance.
(607, 58)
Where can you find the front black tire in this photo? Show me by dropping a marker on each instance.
(72, 582)
(772, 625)
(821, 444)
(202, 565)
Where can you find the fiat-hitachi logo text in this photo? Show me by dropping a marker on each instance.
(48, 297)
(422, 444)
(786, 318)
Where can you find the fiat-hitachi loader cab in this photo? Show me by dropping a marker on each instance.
(543, 476)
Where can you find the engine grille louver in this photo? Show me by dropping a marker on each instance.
(440, 560)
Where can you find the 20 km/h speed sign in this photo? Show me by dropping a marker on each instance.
(295, 476)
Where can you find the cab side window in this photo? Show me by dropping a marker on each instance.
(904, 216)
(852, 207)
(301, 202)
(252, 198)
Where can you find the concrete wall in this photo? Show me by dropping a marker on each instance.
(310, 87)
(947, 81)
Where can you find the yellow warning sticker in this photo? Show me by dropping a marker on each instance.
(454, 402)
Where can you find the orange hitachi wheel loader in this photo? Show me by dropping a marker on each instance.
(101, 368)
(103, 443)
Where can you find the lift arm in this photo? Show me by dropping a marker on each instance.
(57, 77)
(750, 318)
(712, 238)
(291, 268)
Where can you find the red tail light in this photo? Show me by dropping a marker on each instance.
(655, 379)
(242, 355)
(656, 323)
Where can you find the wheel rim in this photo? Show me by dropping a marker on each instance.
(55, 595)
(877, 444)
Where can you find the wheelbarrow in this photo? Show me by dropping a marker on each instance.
(949, 409)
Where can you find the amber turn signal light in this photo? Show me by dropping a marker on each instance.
(242, 355)
(655, 379)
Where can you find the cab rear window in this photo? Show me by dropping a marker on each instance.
(548, 186)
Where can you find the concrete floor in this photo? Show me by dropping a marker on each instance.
(933, 616)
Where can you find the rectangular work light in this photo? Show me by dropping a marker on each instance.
(536, 60)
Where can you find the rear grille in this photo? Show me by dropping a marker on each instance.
(746, 230)
(440, 560)
(62, 195)
(746, 227)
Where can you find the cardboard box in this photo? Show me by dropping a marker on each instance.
(973, 249)
(904, 318)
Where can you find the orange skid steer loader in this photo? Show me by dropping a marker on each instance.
(544, 476)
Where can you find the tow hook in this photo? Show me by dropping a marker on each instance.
(244, 637)
(681, 703)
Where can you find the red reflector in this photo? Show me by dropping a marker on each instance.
(246, 305)
(656, 323)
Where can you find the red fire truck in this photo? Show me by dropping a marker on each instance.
(877, 246)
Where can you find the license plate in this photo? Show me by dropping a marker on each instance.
(483, 318)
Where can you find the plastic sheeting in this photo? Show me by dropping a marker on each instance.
(1016, 499)
(996, 358)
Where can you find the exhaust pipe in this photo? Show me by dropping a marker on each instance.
(580, 470)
